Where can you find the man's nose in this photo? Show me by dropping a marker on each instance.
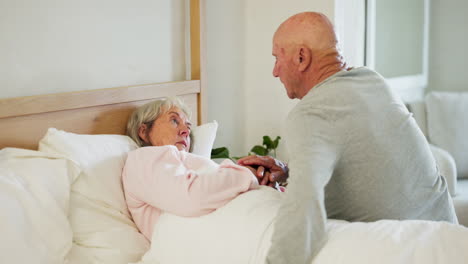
(275, 71)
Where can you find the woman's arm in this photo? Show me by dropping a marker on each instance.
(182, 183)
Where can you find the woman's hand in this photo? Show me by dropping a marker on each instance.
(268, 170)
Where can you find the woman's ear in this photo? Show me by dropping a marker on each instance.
(143, 133)
(304, 58)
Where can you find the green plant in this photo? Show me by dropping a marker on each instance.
(268, 147)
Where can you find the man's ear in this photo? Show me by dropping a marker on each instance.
(142, 133)
(304, 57)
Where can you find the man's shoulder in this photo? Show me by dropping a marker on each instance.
(345, 89)
(354, 76)
(308, 114)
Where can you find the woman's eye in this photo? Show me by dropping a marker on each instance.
(174, 121)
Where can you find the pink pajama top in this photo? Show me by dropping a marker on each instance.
(164, 179)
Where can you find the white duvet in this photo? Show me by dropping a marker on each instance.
(240, 232)
(34, 227)
(34, 194)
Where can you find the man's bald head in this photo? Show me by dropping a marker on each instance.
(311, 29)
(306, 52)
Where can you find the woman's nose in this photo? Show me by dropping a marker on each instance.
(185, 131)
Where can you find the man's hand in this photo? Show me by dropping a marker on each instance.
(258, 171)
(268, 170)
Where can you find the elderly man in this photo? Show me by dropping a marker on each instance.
(356, 153)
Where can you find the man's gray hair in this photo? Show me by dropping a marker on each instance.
(147, 113)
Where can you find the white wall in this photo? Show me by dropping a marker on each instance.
(266, 102)
(54, 46)
(225, 33)
(448, 45)
(350, 21)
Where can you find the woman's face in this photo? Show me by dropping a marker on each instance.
(170, 128)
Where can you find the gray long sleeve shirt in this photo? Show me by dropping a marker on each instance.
(356, 154)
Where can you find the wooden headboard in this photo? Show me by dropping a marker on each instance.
(25, 120)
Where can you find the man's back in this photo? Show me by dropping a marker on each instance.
(385, 169)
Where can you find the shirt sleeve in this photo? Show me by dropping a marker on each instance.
(182, 183)
(300, 224)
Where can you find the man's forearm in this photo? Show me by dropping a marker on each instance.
(299, 231)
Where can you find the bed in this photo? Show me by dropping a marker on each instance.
(60, 187)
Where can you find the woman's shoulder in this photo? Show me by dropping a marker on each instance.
(153, 149)
(152, 152)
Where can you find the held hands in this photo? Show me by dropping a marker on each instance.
(269, 171)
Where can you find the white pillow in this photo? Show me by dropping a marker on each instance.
(34, 192)
(447, 123)
(99, 216)
(203, 138)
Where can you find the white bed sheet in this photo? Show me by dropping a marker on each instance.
(240, 232)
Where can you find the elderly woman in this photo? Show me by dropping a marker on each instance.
(163, 176)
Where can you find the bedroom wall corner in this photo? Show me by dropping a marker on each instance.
(225, 35)
(350, 25)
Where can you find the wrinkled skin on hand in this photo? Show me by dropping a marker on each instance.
(268, 170)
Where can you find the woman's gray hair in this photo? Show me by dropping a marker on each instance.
(147, 113)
